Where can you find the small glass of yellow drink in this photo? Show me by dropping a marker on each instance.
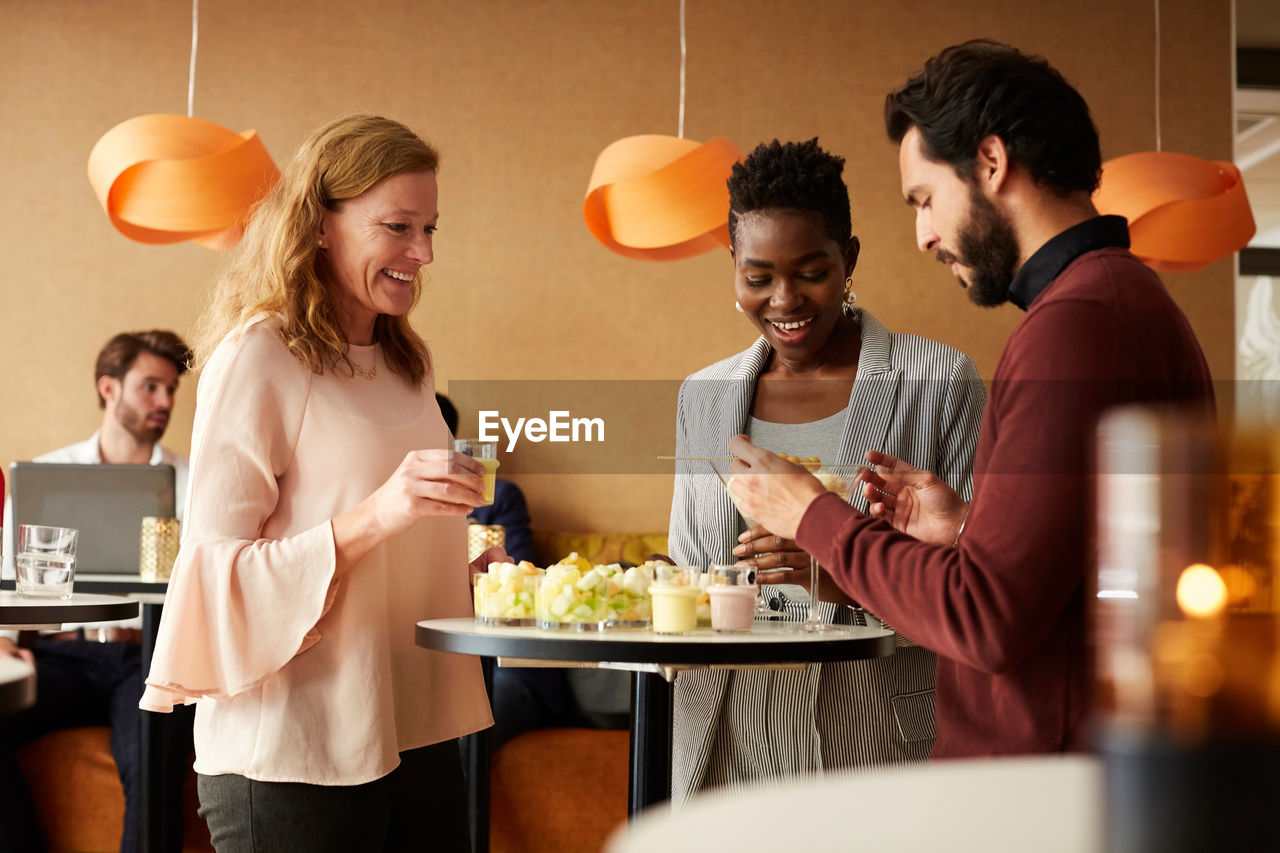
(486, 453)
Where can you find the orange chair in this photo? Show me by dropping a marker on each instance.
(78, 796)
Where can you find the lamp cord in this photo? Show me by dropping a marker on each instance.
(1158, 147)
(195, 40)
(683, 55)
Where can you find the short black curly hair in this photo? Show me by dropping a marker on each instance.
(791, 176)
(981, 88)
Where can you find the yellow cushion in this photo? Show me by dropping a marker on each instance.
(553, 545)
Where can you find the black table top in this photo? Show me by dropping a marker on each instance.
(132, 585)
(767, 643)
(80, 607)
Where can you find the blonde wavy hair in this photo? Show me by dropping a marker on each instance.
(276, 267)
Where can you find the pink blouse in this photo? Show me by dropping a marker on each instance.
(299, 677)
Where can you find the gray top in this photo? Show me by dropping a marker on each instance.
(813, 438)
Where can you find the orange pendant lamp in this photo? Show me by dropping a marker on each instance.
(169, 178)
(1184, 212)
(662, 198)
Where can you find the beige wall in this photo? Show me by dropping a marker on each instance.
(520, 96)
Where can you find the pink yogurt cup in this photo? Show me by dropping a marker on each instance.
(732, 607)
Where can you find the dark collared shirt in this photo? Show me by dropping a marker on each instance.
(1100, 232)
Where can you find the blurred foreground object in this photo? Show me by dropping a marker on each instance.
(1185, 623)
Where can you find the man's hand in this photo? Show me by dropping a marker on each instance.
(496, 554)
(913, 500)
(10, 649)
(770, 489)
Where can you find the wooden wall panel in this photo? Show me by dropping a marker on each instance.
(520, 96)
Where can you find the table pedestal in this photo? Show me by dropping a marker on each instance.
(650, 761)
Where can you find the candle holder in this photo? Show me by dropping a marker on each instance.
(158, 547)
(482, 537)
(1186, 632)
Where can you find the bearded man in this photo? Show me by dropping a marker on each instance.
(136, 377)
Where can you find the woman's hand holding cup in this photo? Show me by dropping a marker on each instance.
(428, 482)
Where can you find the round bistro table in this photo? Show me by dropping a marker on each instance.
(654, 660)
(19, 612)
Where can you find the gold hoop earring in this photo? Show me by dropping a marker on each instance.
(738, 305)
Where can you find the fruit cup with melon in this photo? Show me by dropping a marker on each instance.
(575, 594)
(505, 594)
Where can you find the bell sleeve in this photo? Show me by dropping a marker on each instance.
(240, 606)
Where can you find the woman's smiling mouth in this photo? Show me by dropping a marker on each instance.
(791, 325)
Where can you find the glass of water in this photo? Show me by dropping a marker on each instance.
(46, 560)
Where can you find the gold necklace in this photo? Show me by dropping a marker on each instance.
(357, 370)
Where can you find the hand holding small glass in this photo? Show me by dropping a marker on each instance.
(770, 489)
(794, 504)
(427, 482)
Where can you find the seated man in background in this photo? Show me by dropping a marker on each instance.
(523, 698)
(92, 676)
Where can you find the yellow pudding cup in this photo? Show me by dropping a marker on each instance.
(674, 608)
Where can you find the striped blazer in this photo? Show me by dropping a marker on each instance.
(915, 398)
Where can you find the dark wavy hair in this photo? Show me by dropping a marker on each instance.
(793, 176)
(981, 88)
(117, 356)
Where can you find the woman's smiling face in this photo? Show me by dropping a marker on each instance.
(375, 244)
(789, 278)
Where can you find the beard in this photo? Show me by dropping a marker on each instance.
(135, 423)
(988, 247)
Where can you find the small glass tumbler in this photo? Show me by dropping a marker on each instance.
(733, 596)
(674, 599)
(46, 561)
(486, 453)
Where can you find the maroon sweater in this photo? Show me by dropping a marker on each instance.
(1005, 610)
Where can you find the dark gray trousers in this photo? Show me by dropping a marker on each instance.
(421, 805)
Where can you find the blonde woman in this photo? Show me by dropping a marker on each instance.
(325, 517)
